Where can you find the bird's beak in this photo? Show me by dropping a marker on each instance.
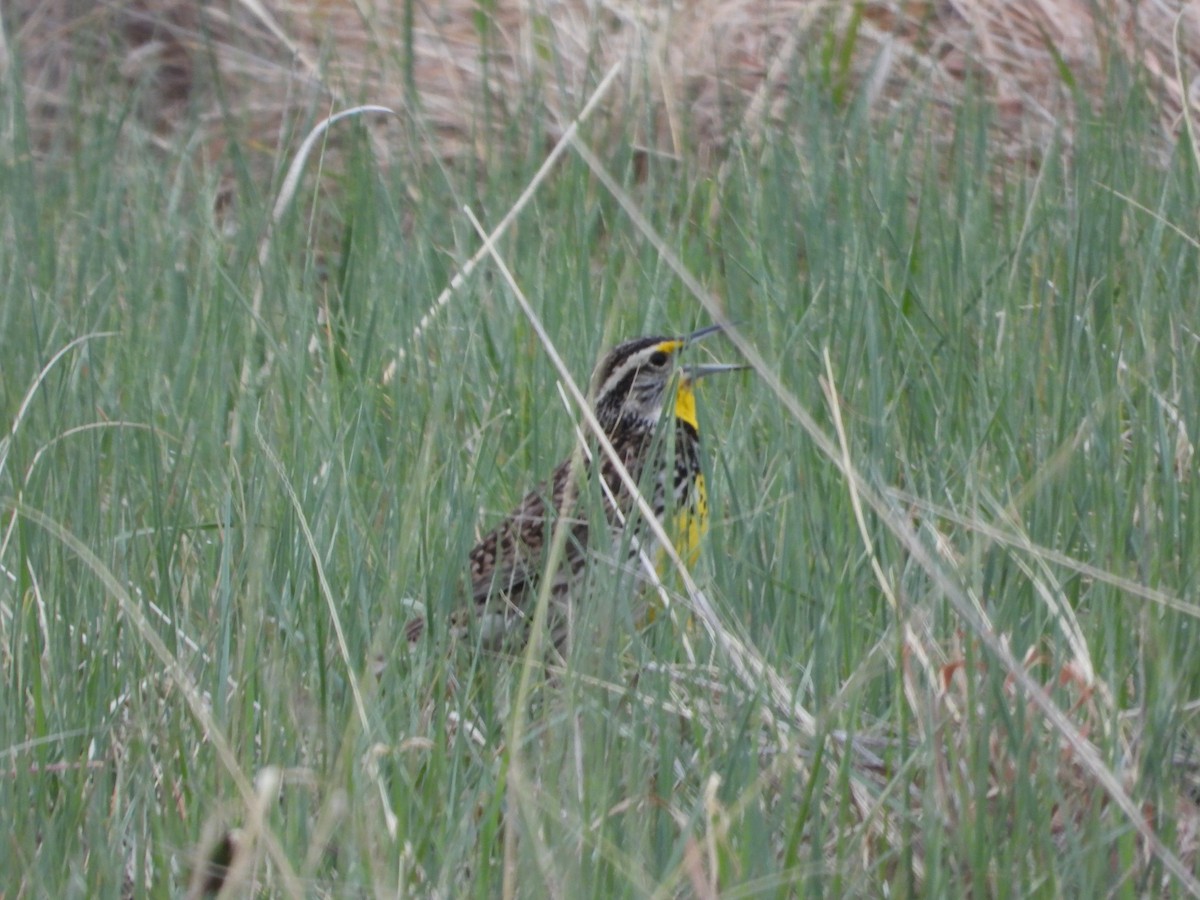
(695, 371)
(701, 334)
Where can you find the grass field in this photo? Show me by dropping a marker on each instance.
(951, 564)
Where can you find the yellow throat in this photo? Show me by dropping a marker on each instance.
(685, 403)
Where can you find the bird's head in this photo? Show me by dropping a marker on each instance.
(634, 381)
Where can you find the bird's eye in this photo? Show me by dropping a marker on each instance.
(658, 358)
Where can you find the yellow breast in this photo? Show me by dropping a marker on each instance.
(691, 522)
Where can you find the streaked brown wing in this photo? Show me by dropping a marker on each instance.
(508, 561)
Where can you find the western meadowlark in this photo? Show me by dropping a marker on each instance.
(631, 387)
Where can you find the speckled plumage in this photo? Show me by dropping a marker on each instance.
(631, 385)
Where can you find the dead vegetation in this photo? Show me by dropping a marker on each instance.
(699, 75)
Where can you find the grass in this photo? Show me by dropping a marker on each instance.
(192, 565)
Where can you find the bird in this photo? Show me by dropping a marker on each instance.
(634, 386)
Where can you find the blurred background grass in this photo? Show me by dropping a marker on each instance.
(1013, 351)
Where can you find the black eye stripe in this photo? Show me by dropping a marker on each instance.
(659, 358)
(624, 386)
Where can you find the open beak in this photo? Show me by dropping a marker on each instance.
(701, 334)
(695, 371)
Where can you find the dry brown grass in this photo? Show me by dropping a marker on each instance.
(957, 706)
(699, 74)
